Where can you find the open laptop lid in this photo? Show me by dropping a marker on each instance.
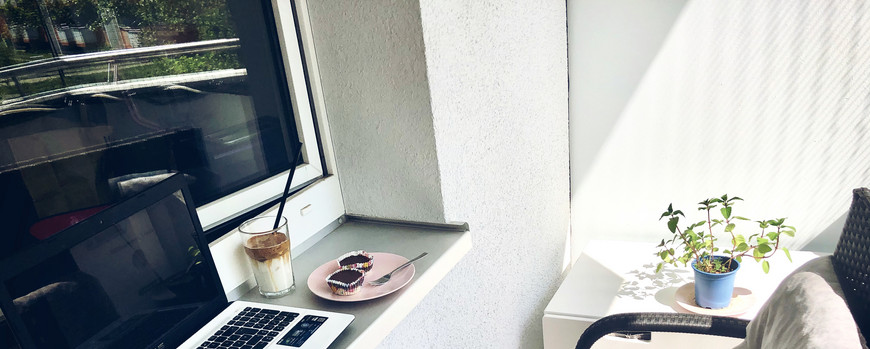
(136, 275)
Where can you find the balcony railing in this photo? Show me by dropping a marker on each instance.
(113, 59)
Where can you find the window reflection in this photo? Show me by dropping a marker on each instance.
(98, 94)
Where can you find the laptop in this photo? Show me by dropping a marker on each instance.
(140, 275)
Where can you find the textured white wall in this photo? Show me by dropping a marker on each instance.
(767, 100)
(497, 76)
(498, 79)
(370, 55)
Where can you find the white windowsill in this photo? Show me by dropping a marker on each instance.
(376, 318)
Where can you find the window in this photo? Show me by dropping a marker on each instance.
(102, 96)
(99, 96)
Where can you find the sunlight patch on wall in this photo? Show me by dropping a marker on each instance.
(767, 100)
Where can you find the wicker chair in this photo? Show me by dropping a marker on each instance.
(851, 261)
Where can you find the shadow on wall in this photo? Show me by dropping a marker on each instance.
(612, 44)
(827, 240)
(760, 99)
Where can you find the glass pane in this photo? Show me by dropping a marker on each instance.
(121, 287)
(101, 97)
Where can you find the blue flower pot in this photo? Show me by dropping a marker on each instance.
(713, 290)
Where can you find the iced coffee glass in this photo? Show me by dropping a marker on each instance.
(268, 251)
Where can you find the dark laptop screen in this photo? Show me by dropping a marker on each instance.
(138, 273)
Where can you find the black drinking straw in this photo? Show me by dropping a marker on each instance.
(287, 186)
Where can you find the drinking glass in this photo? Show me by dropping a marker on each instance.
(268, 251)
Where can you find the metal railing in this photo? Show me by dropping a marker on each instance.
(113, 59)
(116, 56)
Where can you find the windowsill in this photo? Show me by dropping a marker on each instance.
(376, 318)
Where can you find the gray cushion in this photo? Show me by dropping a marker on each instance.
(807, 310)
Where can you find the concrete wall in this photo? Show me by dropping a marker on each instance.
(497, 81)
(766, 100)
(373, 72)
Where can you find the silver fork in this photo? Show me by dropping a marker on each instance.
(386, 278)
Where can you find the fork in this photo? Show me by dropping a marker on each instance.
(386, 278)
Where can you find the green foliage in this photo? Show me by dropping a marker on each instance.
(203, 62)
(157, 22)
(695, 243)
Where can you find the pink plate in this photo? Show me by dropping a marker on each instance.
(383, 263)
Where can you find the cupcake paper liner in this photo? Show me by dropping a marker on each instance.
(345, 289)
(365, 266)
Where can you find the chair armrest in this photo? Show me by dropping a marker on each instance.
(663, 322)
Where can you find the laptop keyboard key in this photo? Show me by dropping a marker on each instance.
(246, 331)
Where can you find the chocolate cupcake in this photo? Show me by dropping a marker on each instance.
(346, 281)
(357, 260)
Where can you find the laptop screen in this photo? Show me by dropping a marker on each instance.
(121, 279)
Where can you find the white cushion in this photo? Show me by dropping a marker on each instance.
(807, 310)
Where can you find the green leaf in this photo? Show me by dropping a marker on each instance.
(661, 243)
(772, 235)
(740, 239)
(765, 266)
(757, 254)
(730, 227)
(678, 212)
(664, 215)
(741, 218)
(659, 267)
(726, 212)
(787, 253)
(742, 247)
(739, 259)
(663, 254)
(672, 224)
(764, 248)
(727, 252)
(788, 232)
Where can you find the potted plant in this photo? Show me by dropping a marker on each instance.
(715, 268)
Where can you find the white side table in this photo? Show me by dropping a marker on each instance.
(613, 277)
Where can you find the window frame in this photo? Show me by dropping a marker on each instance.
(316, 201)
(252, 197)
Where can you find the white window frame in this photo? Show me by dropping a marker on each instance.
(313, 208)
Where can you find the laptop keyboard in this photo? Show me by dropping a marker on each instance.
(252, 328)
